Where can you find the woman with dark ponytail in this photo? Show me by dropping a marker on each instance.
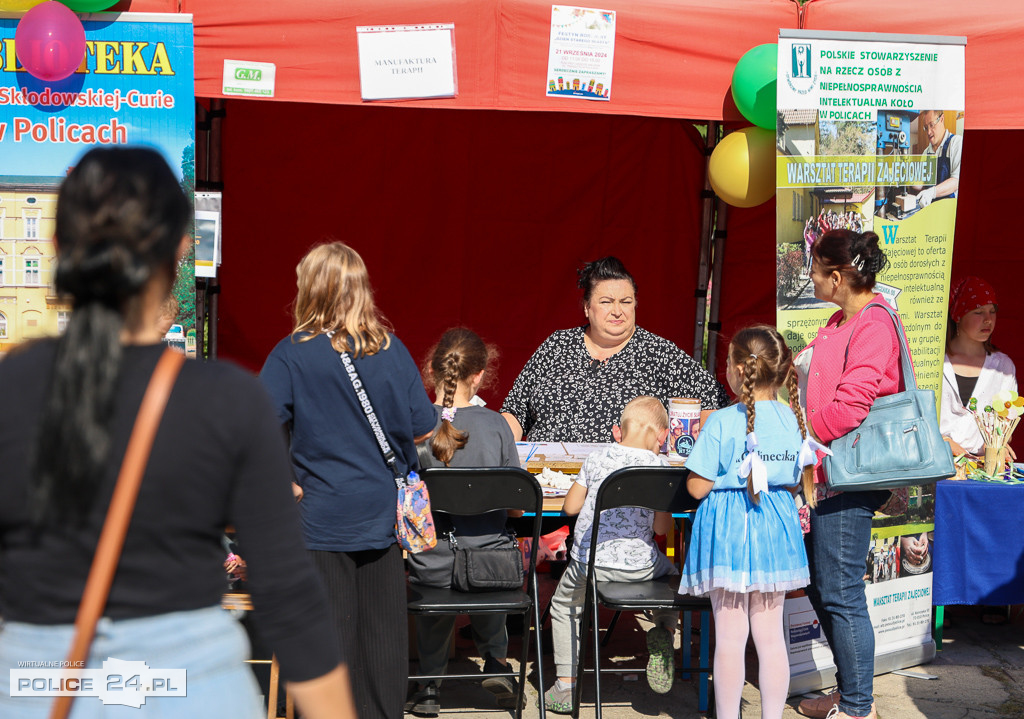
(121, 228)
(469, 435)
(854, 359)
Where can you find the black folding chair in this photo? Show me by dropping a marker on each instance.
(459, 490)
(662, 489)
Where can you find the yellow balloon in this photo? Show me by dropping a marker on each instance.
(19, 5)
(742, 167)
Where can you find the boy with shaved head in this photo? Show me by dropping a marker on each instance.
(626, 551)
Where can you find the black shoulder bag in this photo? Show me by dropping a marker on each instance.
(487, 570)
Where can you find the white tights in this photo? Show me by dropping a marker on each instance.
(761, 615)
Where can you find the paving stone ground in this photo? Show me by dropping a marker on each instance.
(979, 674)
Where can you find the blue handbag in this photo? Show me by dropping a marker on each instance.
(898, 444)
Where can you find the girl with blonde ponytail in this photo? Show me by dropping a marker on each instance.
(468, 436)
(747, 549)
(344, 486)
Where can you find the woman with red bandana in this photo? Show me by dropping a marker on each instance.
(972, 367)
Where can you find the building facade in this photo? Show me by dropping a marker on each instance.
(29, 306)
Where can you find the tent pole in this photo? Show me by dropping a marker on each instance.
(714, 324)
(704, 264)
(202, 157)
(217, 112)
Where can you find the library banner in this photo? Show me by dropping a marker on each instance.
(135, 86)
(869, 138)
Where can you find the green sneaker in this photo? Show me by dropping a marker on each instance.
(661, 664)
(558, 700)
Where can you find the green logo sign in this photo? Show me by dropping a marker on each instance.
(248, 73)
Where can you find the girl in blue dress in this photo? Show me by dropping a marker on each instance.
(747, 549)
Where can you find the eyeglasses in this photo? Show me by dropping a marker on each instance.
(933, 123)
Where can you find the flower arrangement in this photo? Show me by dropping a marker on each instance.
(996, 423)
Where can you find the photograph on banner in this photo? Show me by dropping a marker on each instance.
(898, 583)
(869, 138)
(207, 242)
(581, 53)
(134, 87)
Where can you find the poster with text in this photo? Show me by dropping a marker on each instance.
(135, 86)
(581, 53)
(399, 62)
(869, 138)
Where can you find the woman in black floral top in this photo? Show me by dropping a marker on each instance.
(575, 385)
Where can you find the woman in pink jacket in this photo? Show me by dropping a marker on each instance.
(853, 360)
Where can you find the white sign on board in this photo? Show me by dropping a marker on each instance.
(248, 79)
(399, 62)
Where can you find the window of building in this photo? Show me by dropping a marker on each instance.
(3, 278)
(798, 207)
(3, 326)
(62, 321)
(31, 227)
(31, 200)
(31, 270)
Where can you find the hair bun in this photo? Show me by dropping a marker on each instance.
(583, 276)
(606, 268)
(877, 262)
(870, 259)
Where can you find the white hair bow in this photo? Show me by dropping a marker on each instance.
(808, 452)
(753, 466)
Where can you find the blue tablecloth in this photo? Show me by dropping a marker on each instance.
(979, 543)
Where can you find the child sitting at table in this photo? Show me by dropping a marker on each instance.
(626, 550)
(467, 436)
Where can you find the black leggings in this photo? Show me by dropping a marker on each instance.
(366, 590)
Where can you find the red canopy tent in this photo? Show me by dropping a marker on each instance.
(480, 218)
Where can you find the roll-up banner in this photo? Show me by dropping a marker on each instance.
(869, 138)
(135, 86)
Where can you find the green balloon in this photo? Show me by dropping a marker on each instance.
(753, 85)
(89, 5)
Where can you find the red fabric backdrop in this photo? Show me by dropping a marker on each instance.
(475, 218)
(480, 218)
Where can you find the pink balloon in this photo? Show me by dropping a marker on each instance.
(50, 41)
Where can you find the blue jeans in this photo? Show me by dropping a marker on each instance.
(210, 645)
(837, 548)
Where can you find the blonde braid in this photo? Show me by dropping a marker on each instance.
(450, 378)
(449, 439)
(807, 474)
(747, 395)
